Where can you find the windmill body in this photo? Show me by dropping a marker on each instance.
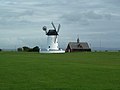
(52, 40)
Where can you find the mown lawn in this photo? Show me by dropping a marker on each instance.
(69, 71)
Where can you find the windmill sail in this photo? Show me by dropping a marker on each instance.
(45, 29)
(58, 27)
(55, 39)
(53, 26)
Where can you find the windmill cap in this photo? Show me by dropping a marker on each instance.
(52, 32)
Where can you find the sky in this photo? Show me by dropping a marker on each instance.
(94, 21)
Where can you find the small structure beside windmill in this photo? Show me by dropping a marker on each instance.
(78, 47)
(52, 40)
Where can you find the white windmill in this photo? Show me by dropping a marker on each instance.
(52, 40)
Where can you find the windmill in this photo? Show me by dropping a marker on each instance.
(52, 40)
(52, 36)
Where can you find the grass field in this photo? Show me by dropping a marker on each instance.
(69, 71)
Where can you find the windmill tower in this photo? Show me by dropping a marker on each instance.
(52, 40)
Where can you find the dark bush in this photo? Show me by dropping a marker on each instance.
(36, 49)
(26, 49)
(19, 49)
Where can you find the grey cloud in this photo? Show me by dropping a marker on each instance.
(85, 18)
(113, 2)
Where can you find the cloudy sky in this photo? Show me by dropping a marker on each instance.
(94, 21)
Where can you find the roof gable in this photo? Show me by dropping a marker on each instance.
(80, 45)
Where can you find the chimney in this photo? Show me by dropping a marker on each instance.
(78, 40)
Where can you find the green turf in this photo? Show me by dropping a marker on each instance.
(69, 71)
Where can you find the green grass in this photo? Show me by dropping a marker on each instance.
(69, 71)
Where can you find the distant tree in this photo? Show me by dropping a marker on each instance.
(19, 49)
(30, 50)
(0, 50)
(26, 49)
(36, 49)
(95, 50)
(106, 50)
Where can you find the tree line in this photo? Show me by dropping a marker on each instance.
(28, 49)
